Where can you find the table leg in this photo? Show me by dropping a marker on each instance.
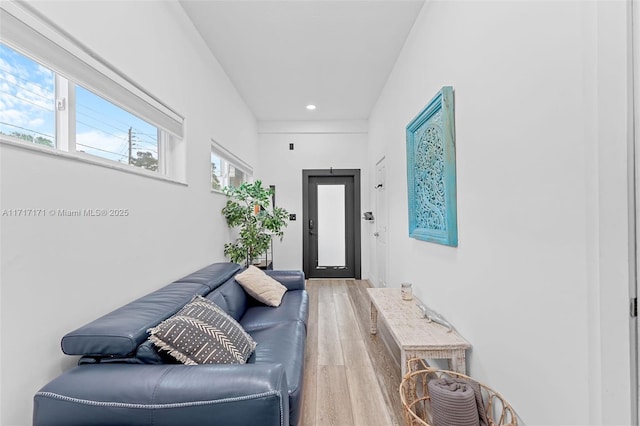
(458, 361)
(374, 319)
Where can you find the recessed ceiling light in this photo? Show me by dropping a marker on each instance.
(311, 107)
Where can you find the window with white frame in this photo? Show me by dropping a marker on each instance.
(107, 131)
(27, 95)
(55, 93)
(227, 169)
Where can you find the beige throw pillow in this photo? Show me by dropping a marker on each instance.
(261, 286)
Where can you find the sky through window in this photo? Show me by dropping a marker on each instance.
(27, 112)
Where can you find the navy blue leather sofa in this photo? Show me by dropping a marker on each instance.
(122, 380)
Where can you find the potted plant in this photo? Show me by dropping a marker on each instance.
(248, 208)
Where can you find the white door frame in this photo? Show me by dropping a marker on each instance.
(634, 214)
(381, 195)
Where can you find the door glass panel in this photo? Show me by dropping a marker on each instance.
(331, 225)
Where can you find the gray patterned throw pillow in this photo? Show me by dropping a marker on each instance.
(202, 333)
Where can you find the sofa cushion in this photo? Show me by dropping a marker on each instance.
(218, 298)
(213, 275)
(128, 395)
(235, 298)
(202, 333)
(294, 307)
(261, 286)
(119, 333)
(284, 344)
(292, 280)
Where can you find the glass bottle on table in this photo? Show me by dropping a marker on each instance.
(406, 291)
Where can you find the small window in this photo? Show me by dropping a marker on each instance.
(26, 99)
(100, 128)
(227, 169)
(108, 131)
(78, 103)
(236, 176)
(216, 172)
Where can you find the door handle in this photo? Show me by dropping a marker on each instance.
(310, 223)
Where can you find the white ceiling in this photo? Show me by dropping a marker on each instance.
(283, 55)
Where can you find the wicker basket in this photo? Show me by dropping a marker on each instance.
(416, 401)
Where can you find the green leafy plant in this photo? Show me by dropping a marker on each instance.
(248, 208)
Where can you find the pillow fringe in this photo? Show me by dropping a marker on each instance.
(172, 351)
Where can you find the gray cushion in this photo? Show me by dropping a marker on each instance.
(202, 333)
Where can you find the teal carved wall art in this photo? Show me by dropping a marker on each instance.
(431, 172)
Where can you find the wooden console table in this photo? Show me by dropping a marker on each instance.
(416, 336)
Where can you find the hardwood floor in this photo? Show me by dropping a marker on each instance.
(351, 377)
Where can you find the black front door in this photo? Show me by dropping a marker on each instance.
(331, 228)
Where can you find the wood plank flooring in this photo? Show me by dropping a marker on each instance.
(351, 377)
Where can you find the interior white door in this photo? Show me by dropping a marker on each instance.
(380, 216)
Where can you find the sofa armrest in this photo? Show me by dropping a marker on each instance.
(125, 394)
(293, 280)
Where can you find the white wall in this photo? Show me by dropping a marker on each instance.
(58, 273)
(539, 282)
(318, 145)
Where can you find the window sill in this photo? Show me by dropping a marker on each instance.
(87, 159)
(217, 191)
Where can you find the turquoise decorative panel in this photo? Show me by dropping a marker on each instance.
(431, 172)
